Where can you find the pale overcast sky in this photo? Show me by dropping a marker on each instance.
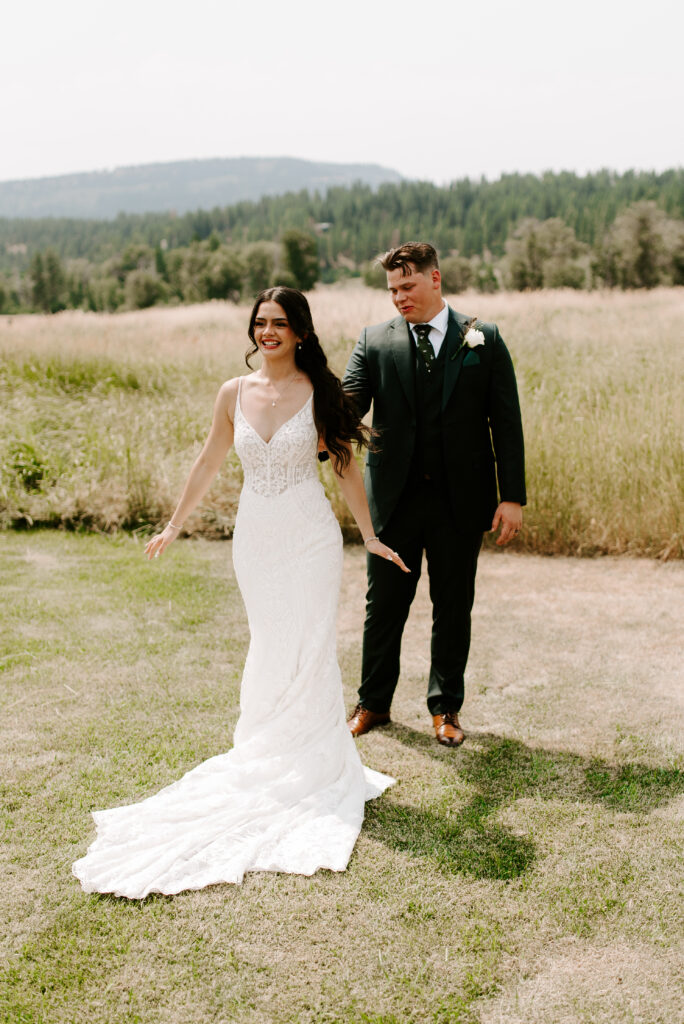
(437, 89)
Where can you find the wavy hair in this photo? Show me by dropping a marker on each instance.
(335, 413)
(420, 255)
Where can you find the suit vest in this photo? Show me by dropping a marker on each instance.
(428, 455)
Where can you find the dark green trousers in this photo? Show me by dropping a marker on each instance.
(422, 522)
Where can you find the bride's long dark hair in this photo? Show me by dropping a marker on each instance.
(334, 411)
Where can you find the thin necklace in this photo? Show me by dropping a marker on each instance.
(293, 378)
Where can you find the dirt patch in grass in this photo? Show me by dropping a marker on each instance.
(588, 984)
(603, 635)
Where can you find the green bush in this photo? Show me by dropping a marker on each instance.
(642, 249)
(143, 288)
(457, 274)
(260, 263)
(28, 466)
(224, 274)
(544, 254)
(373, 275)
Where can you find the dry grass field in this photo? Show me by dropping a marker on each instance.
(101, 415)
(533, 876)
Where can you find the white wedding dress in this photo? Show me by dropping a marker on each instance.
(289, 795)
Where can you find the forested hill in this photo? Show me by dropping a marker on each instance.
(354, 223)
(180, 186)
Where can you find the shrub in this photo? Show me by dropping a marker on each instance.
(143, 288)
(224, 274)
(640, 249)
(544, 254)
(260, 262)
(28, 466)
(373, 275)
(457, 273)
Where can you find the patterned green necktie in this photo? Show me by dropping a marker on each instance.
(425, 348)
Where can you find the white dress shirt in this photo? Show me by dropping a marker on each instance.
(438, 324)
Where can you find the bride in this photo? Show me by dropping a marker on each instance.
(289, 795)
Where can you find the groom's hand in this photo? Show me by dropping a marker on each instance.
(509, 517)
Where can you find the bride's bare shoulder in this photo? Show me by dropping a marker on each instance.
(227, 396)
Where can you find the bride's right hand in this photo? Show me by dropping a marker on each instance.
(376, 547)
(159, 543)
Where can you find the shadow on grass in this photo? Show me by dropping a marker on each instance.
(502, 770)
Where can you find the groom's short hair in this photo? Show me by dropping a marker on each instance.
(420, 255)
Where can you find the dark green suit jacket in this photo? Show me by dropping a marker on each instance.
(482, 439)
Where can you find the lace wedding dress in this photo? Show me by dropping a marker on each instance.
(289, 795)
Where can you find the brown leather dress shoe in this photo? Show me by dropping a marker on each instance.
(447, 729)
(362, 720)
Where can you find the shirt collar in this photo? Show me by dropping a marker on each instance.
(440, 321)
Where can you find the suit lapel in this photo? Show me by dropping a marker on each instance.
(455, 352)
(402, 353)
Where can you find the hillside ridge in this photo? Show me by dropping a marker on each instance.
(179, 186)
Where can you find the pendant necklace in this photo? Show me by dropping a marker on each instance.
(293, 378)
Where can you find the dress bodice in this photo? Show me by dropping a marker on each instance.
(289, 458)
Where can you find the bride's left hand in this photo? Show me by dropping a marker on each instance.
(376, 547)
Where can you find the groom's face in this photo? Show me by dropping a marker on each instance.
(418, 297)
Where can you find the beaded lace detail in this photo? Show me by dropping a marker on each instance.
(289, 458)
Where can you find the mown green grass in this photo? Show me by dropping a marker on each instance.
(550, 841)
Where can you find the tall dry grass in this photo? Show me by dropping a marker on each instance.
(101, 415)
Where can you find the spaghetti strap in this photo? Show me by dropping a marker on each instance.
(238, 408)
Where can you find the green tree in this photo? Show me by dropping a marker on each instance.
(174, 272)
(260, 262)
(300, 256)
(457, 274)
(224, 274)
(373, 275)
(143, 288)
(38, 292)
(78, 274)
(104, 293)
(675, 245)
(283, 278)
(524, 267)
(55, 281)
(193, 273)
(635, 253)
(48, 282)
(136, 256)
(484, 277)
(544, 254)
(160, 262)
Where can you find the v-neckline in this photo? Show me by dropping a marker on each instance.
(283, 424)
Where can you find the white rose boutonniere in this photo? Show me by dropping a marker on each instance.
(473, 337)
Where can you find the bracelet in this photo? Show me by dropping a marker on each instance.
(369, 539)
(173, 526)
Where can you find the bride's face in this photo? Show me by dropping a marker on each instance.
(272, 333)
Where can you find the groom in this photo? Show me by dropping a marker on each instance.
(445, 406)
